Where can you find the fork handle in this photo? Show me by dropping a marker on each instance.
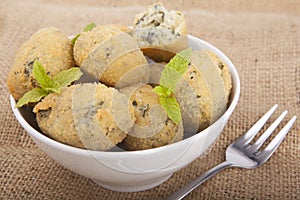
(182, 192)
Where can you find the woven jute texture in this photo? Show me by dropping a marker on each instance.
(261, 37)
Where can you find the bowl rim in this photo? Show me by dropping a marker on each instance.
(58, 145)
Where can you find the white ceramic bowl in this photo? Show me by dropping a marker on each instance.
(137, 170)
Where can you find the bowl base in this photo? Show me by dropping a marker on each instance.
(134, 188)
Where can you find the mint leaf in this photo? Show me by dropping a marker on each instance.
(34, 95)
(89, 27)
(169, 78)
(181, 61)
(162, 91)
(54, 89)
(174, 70)
(66, 77)
(47, 84)
(171, 107)
(39, 73)
(75, 38)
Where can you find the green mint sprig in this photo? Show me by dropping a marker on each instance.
(86, 29)
(47, 84)
(170, 76)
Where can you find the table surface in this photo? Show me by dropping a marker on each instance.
(261, 37)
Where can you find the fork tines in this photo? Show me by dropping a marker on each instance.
(252, 132)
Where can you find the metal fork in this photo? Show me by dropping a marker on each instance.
(243, 154)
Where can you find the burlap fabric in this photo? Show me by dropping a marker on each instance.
(261, 37)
